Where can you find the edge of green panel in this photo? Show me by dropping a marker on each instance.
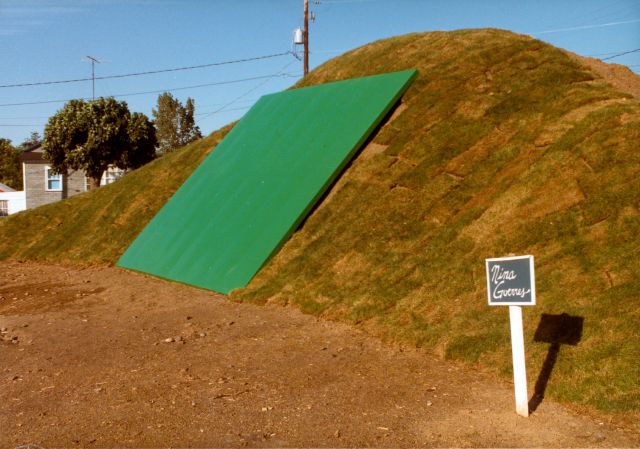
(410, 75)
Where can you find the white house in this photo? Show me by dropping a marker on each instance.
(11, 201)
(42, 186)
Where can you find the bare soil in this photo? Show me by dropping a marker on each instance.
(103, 357)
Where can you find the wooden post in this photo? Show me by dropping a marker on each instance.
(519, 368)
(306, 37)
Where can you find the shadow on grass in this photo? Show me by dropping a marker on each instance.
(558, 330)
(317, 202)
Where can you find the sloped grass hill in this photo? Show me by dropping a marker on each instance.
(502, 145)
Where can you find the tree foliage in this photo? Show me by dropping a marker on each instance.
(30, 142)
(142, 137)
(10, 165)
(91, 135)
(189, 131)
(175, 124)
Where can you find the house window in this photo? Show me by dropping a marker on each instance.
(54, 181)
(110, 176)
(4, 208)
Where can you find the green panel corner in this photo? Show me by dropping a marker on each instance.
(247, 197)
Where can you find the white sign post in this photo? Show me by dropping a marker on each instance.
(511, 282)
(519, 368)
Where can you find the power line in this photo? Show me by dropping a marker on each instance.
(226, 110)
(149, 72)
(23, 117)
(610, 11)
(620, 54)
(211, 107)
(132, 94)
(223, 108)
(30, 126)
(595, 55)
(586, 27)
(240, 108)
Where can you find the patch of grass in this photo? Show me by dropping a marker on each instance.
(471, 347)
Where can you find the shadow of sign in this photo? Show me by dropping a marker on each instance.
(558, 330)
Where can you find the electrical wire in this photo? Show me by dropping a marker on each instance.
(242, 108)
(595, 55)
(149, 72)
(586, 27)
(610, 11)
(206, 108)
(620, 54)
(223, 108)
(30, 126)
(131, 94)
(23, 118)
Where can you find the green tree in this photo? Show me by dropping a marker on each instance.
(92, 135)
(33, 140)
(175, 124)
(10, 165)
(165, 119)
(189, 131)
(142, 139)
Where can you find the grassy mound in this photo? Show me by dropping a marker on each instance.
(502, 145)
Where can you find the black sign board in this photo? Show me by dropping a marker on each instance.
(510, 281)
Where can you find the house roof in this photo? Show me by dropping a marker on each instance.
(33, 146)
(33, 155)
(5, 188)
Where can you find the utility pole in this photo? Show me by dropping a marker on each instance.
(93, 74)
(306, 37)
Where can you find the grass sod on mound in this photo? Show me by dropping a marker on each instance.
(502, 145)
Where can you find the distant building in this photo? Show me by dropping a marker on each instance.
(42, 186)
(10, 200)
(5, 188)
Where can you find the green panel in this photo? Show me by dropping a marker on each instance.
(247, 197)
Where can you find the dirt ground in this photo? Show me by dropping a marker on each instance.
(103, 357)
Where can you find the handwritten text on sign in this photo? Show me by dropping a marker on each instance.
(510, 281)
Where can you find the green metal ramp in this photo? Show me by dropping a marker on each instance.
(247, 197)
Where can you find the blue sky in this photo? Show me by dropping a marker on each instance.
(48, 41)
